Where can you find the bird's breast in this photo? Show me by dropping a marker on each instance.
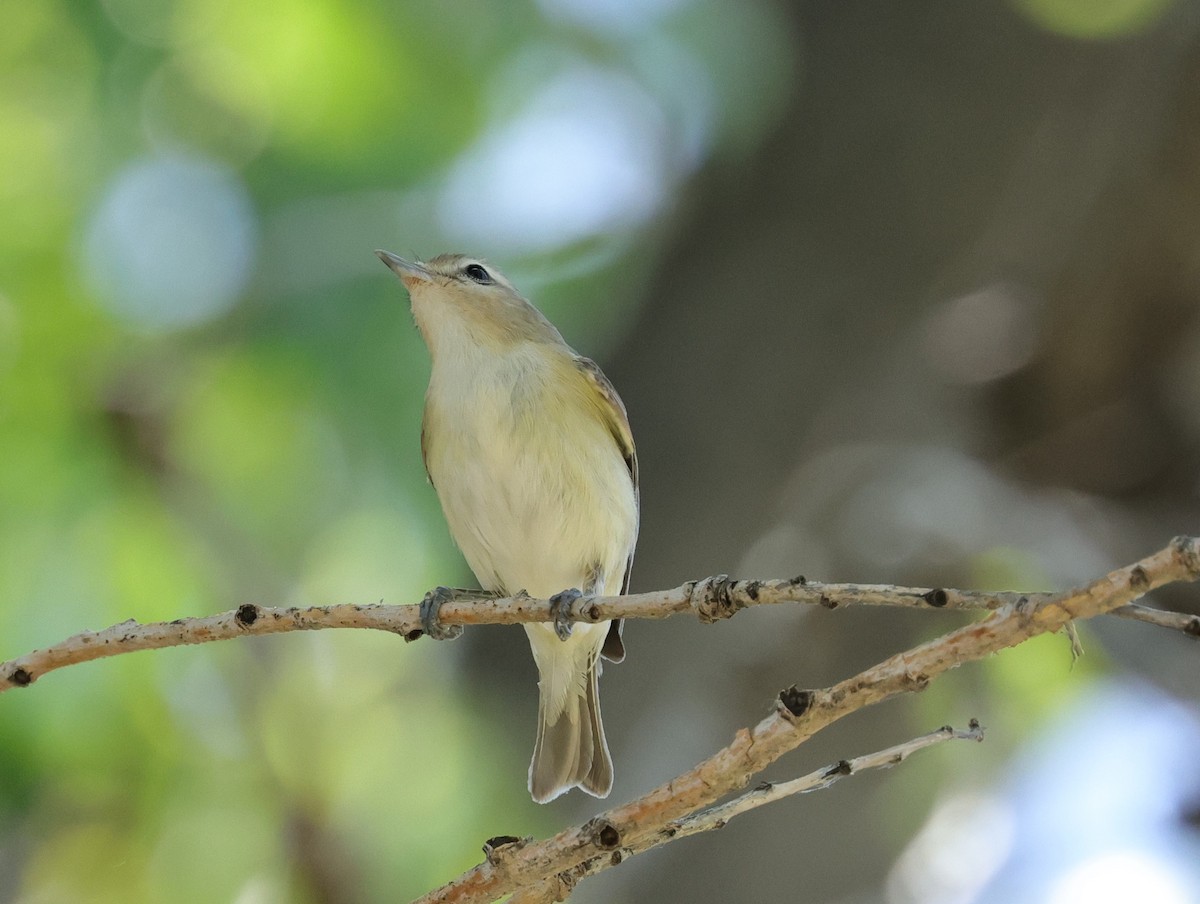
(535, 491)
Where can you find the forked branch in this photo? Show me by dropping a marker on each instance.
(546, 870)
(798, 715)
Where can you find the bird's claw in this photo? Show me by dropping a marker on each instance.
(430, 622)
(560, 609)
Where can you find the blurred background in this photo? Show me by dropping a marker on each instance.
(899, 293)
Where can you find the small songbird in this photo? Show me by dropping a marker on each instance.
(529, 449)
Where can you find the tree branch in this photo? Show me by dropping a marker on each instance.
(546, 870)
(798, 716)
(768, 792)
(557, 888)
(710, 600)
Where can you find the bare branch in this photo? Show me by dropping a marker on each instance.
(547, 870)
(248, 619)
(557, 888)
(768, 792)
(710, 600)
(1177, 621)
(798, 716)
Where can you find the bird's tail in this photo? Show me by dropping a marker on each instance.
(571, 750)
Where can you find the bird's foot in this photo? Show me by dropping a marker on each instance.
(560, 608)
(433, 626)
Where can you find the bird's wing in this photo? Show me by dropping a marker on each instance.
(425, 431)
(617, 420)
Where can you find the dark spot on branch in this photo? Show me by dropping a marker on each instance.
(177, 622)
(603, 833)
(936, 597)
(828, 603)
(499, 841)
(616, 858)
(917, 682)
(1138, 579)
(20, 677)
(795, 701)
(246, 615)
(414, 634)
(1192, 627)
(752, 589)
(1185, 549)
(593, 613)
(974, 725)
(798, 581)
(764, 786)
(842, 767)
(497, 848)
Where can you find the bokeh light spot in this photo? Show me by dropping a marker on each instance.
(1121, 876)
(1093, 18)
(962, 846)
(583, 159)
(172, 243)
(982, 336)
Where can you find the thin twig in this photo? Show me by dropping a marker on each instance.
(1176, 621)
(768, 792)
(710, 599)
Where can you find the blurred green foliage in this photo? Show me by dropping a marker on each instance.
(158, 461)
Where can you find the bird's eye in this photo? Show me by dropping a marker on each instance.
(478, 274)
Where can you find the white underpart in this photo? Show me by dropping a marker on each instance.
(534, 488)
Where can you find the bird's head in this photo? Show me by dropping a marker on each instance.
(452, 294)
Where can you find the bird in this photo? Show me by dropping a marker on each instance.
(530, 451)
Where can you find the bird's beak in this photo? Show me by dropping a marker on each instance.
(410, 273)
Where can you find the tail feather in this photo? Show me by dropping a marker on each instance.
(571, 749)
(599, 779)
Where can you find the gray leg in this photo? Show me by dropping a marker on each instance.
(429, 614)
(560, 608)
